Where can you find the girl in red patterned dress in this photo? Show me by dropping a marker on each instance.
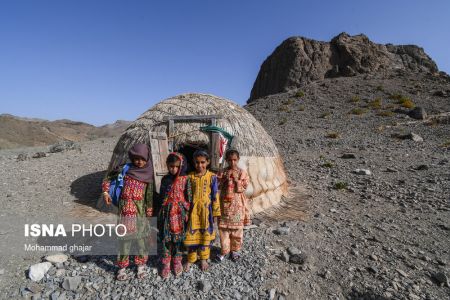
(233, 206)
(135, 204)
(175, 197)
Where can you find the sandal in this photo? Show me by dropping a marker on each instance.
(219, 258)
(235, 256)
(121, 275)
(177, 267)
(204, 265)
(165, 271)
(141, 272)
(187, 266)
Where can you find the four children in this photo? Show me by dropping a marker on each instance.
(187, 209)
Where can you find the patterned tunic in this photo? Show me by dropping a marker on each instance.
(175, 198)
(205, 205)
(234, 212)
(135, 202)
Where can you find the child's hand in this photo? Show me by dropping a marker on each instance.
(235, 175)
(107, 198)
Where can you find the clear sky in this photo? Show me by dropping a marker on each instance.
(101, 60)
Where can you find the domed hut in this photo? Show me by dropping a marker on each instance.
(175, 124)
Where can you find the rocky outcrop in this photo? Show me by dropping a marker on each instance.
(299, 60)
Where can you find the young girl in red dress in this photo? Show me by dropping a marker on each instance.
(175, 198)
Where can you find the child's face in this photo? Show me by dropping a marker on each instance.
(174, 167)
(232, 161)
(201, 163)
(139, 162)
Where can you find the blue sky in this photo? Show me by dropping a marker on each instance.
(99, 61)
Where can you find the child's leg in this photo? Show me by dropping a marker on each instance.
(224, 241)
(191, 257)
(123, 256)
(204, 256)
(176, 259)
(142, 258)
(165, 259)
(236, 236)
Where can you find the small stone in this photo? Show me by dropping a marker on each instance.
(333, 210)
(34, 288)
(284, 256)
(71, 283)
(421, 167)
(293, 251)
(2, 271)
(54, 295)
(56, 258)
(418, 113)
(283, 230)
(60, 272)
(373, 269)
(204, 286)
(22, 157)
(362, 172)
(414, 137)
(39, 155)
(373, 257)
(272, 293)
(441, 279)
(252, 226)
(37, 271)
(348, 156)
(298, 258)
(401, 272)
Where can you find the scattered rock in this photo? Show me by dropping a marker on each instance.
(71, 283)
(441, 279)
(440, 93)
(362, 172)
(282, 230)
(401, 272)
(39, 155)
(348, 156)
(37, 271)
(421, 167)
(64, 146)
(293, 251)
(204, 286)
(22, 157)
(34, 288)
(56, 258)
(272, 293)
(414, 137)
(299, 259)
(418, 113)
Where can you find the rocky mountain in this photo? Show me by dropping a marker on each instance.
(298, 61)
(19, 132)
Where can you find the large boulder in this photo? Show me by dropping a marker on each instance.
(298, 61)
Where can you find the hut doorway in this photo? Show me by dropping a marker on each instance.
(188, 151)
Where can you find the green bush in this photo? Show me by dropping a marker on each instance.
(340, 185)
(300, 94)
(358, 111)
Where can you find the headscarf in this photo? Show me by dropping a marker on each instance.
(183, 163)
(144, 174)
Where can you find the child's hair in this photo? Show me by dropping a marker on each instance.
(202, 153)
(231, 152)
(172, 158)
